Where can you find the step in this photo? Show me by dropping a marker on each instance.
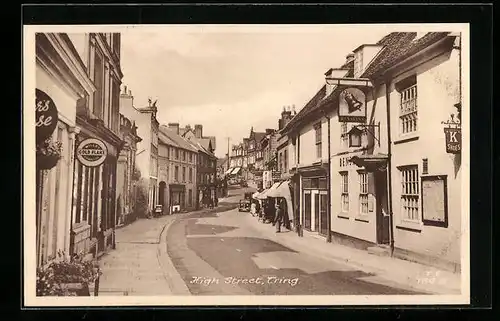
(379, 250)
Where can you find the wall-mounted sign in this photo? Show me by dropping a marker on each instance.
(352, 105)
(453, 137)
(92, 152)
(435, 201)
(46, 116)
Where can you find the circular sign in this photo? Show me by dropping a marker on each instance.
(91, 152)
(46, 116)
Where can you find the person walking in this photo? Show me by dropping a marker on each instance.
(278, 218)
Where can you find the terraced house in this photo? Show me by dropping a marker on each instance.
(361, 149)
(177, 171)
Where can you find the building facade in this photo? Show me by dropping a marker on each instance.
(386, 189)
(125, 184)
(147, 148)
(94, 186)
(56, 55)
(178, 171)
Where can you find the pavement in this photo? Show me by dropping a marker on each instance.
(226, 252)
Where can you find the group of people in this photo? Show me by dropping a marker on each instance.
(271, 211)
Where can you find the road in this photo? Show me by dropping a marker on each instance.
(221, 254)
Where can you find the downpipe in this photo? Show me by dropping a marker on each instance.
(389, 164)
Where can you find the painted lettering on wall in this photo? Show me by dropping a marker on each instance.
(46, 116)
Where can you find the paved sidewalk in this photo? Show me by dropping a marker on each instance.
(140, 264)
(387, 270)
(134, 268)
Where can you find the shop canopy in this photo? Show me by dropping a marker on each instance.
(235, 170)
(281, 190)
(228, 171)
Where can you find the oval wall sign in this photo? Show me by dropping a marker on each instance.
(91, 152)
(46, 116)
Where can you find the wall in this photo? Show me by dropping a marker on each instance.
(81, 43)
(57, 197)
(437, 86)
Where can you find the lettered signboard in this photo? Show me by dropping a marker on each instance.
(352, 105)
(453, 140)
(46, 116)
(91, 152)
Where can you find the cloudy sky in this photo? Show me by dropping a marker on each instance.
(230, 78)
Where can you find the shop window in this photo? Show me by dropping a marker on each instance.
(344, 191)
(363, 193)
(306, 183)
(408, 116)
(322, 183)
(410, 193)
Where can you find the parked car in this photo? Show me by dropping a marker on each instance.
(244, 206)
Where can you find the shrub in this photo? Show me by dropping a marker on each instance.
(50, 280)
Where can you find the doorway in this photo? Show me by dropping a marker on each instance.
(307, 210)
(162, 190)
(382, 211)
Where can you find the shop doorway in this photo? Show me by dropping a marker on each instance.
(382, 210)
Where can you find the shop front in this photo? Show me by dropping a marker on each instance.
(94, 189)
(314, 205)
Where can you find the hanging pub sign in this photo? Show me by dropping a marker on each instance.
(46, 116)
(453, 137)
(91, 152)
(352, 105)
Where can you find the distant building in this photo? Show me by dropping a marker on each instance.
(125, 187)
(147, 149)
(178, 161)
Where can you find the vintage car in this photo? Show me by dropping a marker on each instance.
(244, 205)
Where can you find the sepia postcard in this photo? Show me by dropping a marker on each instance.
(178, 165)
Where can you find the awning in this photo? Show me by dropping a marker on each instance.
(282, 190)
(228, 171)
(235, 170)
(371, 163)
(262, 195)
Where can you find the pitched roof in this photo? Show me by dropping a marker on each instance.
(311, 106)
(258, 136)
(398, 46)
(212, 139)
(181, 142)
(165, 139)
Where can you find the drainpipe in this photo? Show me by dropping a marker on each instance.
(329, 217)
(389, 166)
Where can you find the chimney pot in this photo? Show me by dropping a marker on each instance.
(125, 89)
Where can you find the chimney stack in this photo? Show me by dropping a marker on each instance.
(125, 91)
(174, 127)
(349, 58)
(198, 131)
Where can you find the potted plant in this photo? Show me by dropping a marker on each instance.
(48, 154)
(63, 277)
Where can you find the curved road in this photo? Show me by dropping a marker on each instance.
(221, 254)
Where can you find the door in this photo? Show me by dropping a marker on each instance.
(307, 210)
(315, 209)
(382, 210)
(323, 212)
